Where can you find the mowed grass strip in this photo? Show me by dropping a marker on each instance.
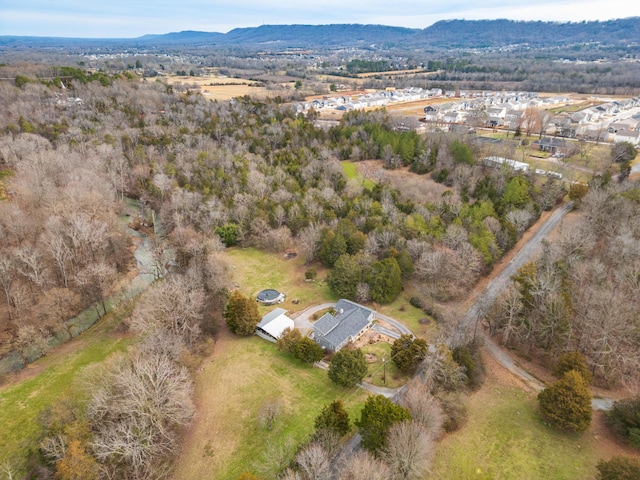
(21, 403)
(227, 438)
(506, 439)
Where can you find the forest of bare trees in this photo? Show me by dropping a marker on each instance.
(209, 175)
(581, 294)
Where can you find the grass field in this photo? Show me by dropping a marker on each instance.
(254, 270)
(506, 439)
(20, 403)
(227, 438)
(351, 172)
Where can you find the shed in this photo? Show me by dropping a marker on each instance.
(273, 324)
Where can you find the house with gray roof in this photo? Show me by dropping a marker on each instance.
(351, 320)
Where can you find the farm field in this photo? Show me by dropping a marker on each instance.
(222, 88)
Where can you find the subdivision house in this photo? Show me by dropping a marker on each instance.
(273, 324)
(350, 322)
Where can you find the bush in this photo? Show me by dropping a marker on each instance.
(567, 403)
(454, 410)
(624, 419)
(310, 274)
(619, 468)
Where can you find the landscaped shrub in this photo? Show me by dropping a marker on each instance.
(624, 419)
(619, 468)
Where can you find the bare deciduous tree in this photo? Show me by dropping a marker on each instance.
(409, 450)
(172, 305)
(363, 466)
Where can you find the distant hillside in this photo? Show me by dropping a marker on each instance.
(320, 35)
(496, 33)
(443, 34)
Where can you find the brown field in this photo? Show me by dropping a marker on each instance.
(392, 73)
(223, 88)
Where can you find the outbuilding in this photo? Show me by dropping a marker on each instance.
(273, 324)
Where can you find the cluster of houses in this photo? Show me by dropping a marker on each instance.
(346, 324)
(605, 120)
(609, 121)
(362, 100)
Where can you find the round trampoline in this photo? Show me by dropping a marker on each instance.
(270, 296)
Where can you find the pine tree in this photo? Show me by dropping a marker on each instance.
(567, 403)
(241, 314)
(333, 417)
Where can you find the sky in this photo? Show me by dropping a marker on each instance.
(133, 18)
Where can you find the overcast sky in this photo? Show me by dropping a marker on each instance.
(132, 18)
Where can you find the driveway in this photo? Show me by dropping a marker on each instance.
(302, 320)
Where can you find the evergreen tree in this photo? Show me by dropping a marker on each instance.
(348, 367)
(333, 417)
(307, 350)
(408, 351)
(573, 361)
(241, 314)
(567, 403)
(619, 468)
(378, 414)
(385, 280)
(343, 280)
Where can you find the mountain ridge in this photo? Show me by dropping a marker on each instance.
(453, 33)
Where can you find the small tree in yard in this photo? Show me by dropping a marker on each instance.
(377, 416)
(348, 367)
(567, 403)
(241, 314)
(619, 468)
(333, 417)
(307, 350)
(408, 351)
(288, 339)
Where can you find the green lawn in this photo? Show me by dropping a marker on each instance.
(506, 439)
(400, 309)
(21, 403)
(351, 172)
(227, 438)
(254, 270)
(383, 376)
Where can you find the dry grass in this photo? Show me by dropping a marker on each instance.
(505, 438)
(226, 438)
(222, 88)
